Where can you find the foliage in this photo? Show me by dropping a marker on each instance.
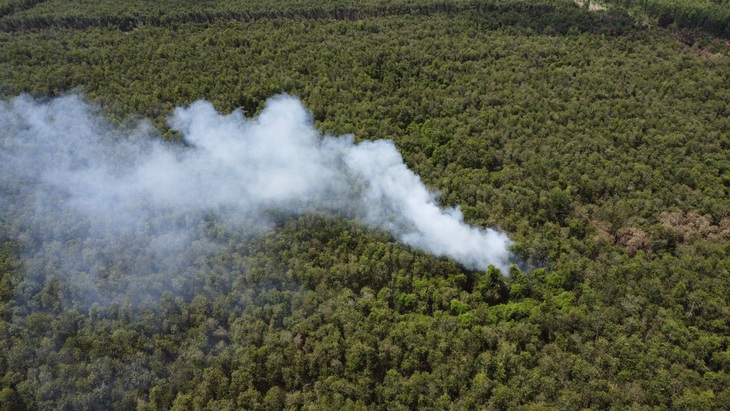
(712, 16)
(600, 146)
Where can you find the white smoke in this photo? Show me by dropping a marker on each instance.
(417, 220)
(63, 161)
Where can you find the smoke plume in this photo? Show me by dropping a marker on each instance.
(68, 176)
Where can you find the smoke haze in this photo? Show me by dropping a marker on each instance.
(67, 174)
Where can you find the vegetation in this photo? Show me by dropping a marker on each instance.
(712, 16)
(601, 147)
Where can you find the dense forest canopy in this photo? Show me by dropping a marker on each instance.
(711, 16)
(596, 138)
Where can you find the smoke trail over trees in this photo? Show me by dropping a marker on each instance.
(68, 175)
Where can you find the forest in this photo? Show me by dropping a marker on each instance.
(596, 138)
